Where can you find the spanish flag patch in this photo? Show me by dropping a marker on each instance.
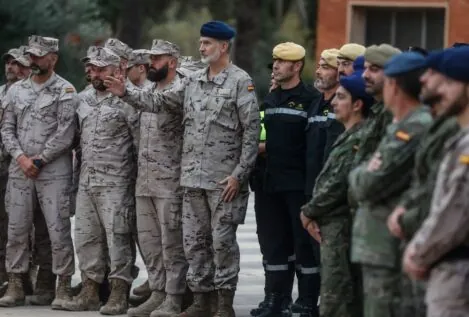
(69, 90)
(403, 136)
(464, 159)
(250, 87)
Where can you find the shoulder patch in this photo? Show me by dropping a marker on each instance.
(250, 87)
(464, 159)
(403, 136)
(69, 90)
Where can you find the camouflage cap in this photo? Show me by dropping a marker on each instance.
(119, 48)
(41, 46)
(23, 59)
(89, 53)
(162, 47)
(14, 53)
(104, 57)
(139, 57)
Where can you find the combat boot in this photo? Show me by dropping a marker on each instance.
(225, 303)
(145, 309)
(14, 295)
(117, 303)
(273, 306)
(44, 292)
(87, 299)
(142, 290)
(63, 293)
(170, 307)
(200, 306)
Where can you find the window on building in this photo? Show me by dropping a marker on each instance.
(404, 27)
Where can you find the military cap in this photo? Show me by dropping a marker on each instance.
(403, 63)
(460, 44)
(23, 59)
(355, 85)
(89, 53)
(14, 53)
(162, 47)
(104, 57)
(288, 51)
(434, 59)
(330, 56)
(139, 57)
(419, 50)
(455, 64)
(351, 51)
(218, 30)
(379, 54)
(41, 46)
(119, 48)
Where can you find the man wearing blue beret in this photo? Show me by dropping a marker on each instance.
(327, 215)
(220, 143)
(415, 203)
(439, 251)
(378, 184)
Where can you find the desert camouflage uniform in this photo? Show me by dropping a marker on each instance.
(221, 132)
(105, 200)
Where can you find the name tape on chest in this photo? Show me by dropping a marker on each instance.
(403, 136)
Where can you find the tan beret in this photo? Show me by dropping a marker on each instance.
(351, 51)
(379, 55)
(330, 56)
(288, 51)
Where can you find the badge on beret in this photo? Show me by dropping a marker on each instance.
(69, 90)
(403, 136)
(464, 159)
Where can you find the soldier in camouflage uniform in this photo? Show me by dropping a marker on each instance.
(137, 69)
(415, 204)
(221, 132)
(105, 199)
(329, 206)
(439, 250)
(378, 183)
(38, 130)
(122, 50)
(159, 195)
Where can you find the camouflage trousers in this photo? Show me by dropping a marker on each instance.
(448, 289)
(160, 239)
(3, 223)
(209, 229)
(103, 231)
(412, 294)
(21, 201)
(340, 291)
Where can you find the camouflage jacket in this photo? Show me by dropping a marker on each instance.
(417, 199)
(108, 140)
(41, 123)
(159, 156)
(221, 124)
(378, 192)
(371, 134)
(330, 191)
(447, 225)
(4, 155)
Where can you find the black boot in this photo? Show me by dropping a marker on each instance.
(257, 311)
(273, 306)
(307, 303)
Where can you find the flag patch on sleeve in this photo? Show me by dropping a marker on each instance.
(464, 159)
(250, 87)
(69, 90)
(403, 136)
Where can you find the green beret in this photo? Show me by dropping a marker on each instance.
(379, 55)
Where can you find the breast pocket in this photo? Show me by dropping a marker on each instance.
(112, 122)
(224, 113)
(47, 109)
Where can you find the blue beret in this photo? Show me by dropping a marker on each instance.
(359, 64)
(355, 85)
(434, 59)
(456, 64)
(404, 63)
(218, 30)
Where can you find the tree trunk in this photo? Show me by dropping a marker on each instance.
(129, 23)
(248, 27)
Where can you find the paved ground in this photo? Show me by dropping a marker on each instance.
(250, 288)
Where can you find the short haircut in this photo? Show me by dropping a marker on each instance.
(410, 83)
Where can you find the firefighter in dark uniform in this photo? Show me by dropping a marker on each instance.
(285, 121)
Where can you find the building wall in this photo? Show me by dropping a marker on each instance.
(333, 26)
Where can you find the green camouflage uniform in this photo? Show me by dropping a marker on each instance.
(329, 207)
(417, 199)
(378, 193)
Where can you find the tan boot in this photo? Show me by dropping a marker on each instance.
(63, 293)
(117, 303)
(145, 309)
(14, 295)
(170, 307)
(44, 292)
(200, 306)
(142, 290)
(225, 303)
(87, 300)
